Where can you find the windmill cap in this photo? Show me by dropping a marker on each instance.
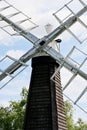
(48, 28)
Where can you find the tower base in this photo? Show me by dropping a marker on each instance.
(45, 106)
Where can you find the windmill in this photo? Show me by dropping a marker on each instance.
(46, 70)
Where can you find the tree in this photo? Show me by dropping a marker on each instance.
(12, 117)
(81, 125)
(69, 115)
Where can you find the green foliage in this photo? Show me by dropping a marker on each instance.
(69, 115)
(80, 125)
(11, 118)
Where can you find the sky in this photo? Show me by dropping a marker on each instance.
(41, 12)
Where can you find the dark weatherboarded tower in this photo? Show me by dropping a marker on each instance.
(45, 106)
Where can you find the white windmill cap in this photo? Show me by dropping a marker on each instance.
(48, 28)
(53, 44)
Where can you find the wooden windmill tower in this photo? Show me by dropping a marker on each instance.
(45, 106)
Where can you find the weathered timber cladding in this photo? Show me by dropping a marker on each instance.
(60, 105)
(45, 106)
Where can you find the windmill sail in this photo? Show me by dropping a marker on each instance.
(41, 45)
(15, 15)
(61, 18)
(38, 46)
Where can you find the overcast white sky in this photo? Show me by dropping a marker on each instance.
(41, 13)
